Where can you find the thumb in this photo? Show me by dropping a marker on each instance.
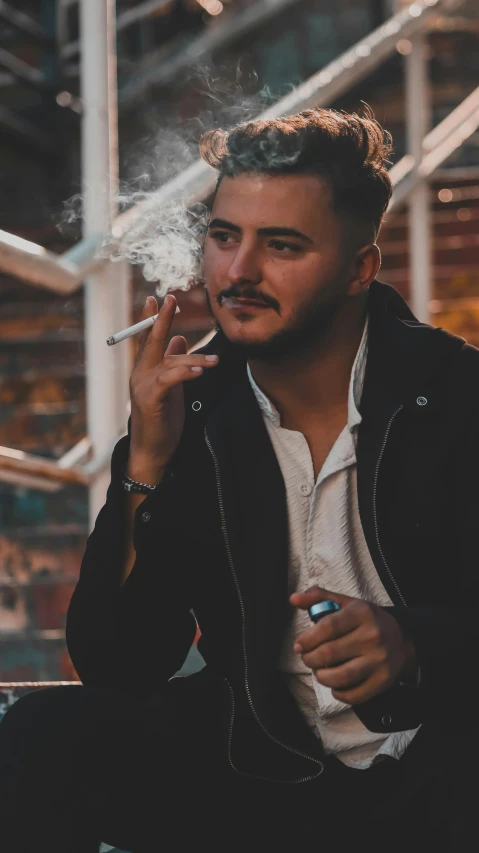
(315, 594)
(177, 346)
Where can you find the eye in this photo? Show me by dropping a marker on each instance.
(283, 247)
(220, 236)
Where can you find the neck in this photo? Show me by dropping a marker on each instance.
(314, 382)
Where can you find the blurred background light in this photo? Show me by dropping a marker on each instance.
(445, 195)
(213, 7)
(404, 46)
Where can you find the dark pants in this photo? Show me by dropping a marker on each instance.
(80, 765)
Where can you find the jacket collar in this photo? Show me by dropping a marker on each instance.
(405, 356)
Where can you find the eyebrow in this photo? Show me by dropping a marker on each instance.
(271, 231)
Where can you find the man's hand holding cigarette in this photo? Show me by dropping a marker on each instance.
(156, 389)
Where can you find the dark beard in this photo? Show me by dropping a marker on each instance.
(309, 326)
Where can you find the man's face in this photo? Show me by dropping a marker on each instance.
(278, 264)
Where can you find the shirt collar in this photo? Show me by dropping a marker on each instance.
(356, 385)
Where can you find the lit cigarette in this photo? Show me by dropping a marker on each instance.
(133, 330)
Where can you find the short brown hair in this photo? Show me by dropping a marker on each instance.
(347, 150)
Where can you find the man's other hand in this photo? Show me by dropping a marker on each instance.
(359, 651)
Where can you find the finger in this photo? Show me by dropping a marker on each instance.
(171, 362)
(150, 308)
(331, 627)
(155, 343)
(167, 379)
(177, 346)
(335, 653)
(347, 676)
(315, 594)
(368, 689)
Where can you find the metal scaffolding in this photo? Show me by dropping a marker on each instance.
(107, 285)
(107, 299)
(417, 125)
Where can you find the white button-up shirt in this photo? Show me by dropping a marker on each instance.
(327, 547)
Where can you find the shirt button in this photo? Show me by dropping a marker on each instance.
(146, 516)
(305, 489)
(387, 720)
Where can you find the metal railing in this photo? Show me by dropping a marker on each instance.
(124, 20)
(427, 150)
(36, 265)
(74, 468)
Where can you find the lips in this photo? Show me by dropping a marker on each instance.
(231, 302)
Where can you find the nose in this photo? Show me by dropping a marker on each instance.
(245, 268)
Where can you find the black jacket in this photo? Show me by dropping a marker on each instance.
(213, 539)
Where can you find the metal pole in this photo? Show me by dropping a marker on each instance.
(106, 292)
(420, 226)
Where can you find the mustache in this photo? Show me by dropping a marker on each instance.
(244, 293)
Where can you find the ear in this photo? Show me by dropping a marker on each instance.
(365, 268)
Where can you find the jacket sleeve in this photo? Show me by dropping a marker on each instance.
(140, 632)
(446, 638)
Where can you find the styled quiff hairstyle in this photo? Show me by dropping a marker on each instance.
(347, 150)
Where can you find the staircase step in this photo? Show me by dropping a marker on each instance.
(39, 390)
(55, 359)
(48, 305)
(37, 329)
(34, 432)
(37, 657)
(21, 508)
(47, 409)
(28, 562)
(467, 244)
(34, 532)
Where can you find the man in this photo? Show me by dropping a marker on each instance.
(323, 446)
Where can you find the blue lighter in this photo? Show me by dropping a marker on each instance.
(322, 608)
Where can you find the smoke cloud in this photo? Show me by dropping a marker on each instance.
(166, 241)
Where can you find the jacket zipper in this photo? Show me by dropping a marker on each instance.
(243, 621)
(376, 528)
